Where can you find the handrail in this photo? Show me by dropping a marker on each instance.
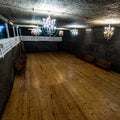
(7, 44)
(41, 38)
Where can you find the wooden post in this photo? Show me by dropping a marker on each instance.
(14, 31)
(7, 30)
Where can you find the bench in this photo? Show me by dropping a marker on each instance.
(20, 64)
(80, 55)
(89, 58)
(103, 63)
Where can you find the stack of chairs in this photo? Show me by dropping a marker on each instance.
(20, 64)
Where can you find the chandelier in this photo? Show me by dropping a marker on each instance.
(49, 27)
(108, 32)
(74, 32)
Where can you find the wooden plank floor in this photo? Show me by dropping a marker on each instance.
(59, 86)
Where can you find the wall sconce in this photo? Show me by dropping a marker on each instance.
(36, 31)
(108, 32)
(61, 33)
(74, 32)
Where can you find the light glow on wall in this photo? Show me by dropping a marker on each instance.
(88, 29)
(75, 26)
(1, 28)
(106, 21)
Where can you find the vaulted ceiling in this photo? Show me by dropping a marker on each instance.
(68, 13)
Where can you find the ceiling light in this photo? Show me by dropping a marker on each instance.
(11, 23)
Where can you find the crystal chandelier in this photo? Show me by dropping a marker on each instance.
(74, 32)
(49, 27)
(108, 32)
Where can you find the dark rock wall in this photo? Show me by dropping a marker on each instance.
(72, 43)
(7, 76)
(40, 46)
(94, 43)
